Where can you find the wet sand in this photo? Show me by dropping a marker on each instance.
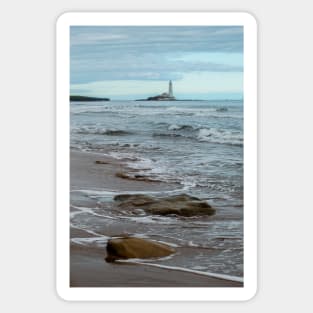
(87, 174)
(87, 265)
(88, 269)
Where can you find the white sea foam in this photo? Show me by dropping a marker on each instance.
(94, 130)
(141, 164)
(182, 269)
(174, 127)
(180, 127)
(112, 193)
(218, 115)
(220, 136)
(100, 241)
(119, 155)
(154, 169)
(89, 231)
(93, 192)
(205, 112)
(90, 211)
(149, 219)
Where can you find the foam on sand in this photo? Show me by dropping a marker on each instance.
(176, 268)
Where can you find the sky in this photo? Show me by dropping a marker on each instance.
(135, 62)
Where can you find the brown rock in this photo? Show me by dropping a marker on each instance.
(183, 205)
(102, 162)
(122, 175)
(131, 247)
(132, 176)
(134, 200)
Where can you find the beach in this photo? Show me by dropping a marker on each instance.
(88, 267)
(158, 171)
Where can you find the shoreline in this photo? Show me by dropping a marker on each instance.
(88, 269)
(85, 173)
(87, 265)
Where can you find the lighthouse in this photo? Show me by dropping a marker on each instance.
(170, 89)
(165, 96)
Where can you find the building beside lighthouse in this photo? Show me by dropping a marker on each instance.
(165, 96)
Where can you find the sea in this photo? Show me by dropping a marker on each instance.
(197, 146)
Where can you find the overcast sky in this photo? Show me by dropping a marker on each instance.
(136, 62)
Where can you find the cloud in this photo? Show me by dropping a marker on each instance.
(148, 67)
(141, 39)
(158, 53)
(87, 38)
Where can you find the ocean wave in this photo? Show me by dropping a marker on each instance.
(214, 112)
(167, 135)
(175, 130)
(221, 109)
(202, 134)
(179, 127)
(100, 131)
(220, 115)
(142, 168)
(100, 108)
(220, 136)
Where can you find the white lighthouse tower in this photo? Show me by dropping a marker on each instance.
(170, 89)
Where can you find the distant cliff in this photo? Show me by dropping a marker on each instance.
(83, 98)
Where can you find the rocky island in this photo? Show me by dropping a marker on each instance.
(165, 96)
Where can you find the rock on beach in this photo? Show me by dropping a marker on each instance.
(131, 247)
(182, 205)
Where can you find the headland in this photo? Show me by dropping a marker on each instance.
(84, 98)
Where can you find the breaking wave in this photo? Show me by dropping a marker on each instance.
(179, 127)
(101, 131)
(220, 136)
(202, 134)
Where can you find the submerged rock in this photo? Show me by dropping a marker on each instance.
(134, 200)
(102, 162)
(222, 109)
(183, 205)
(131, 247)
(133, 176)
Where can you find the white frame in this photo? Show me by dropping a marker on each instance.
(250, 155)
